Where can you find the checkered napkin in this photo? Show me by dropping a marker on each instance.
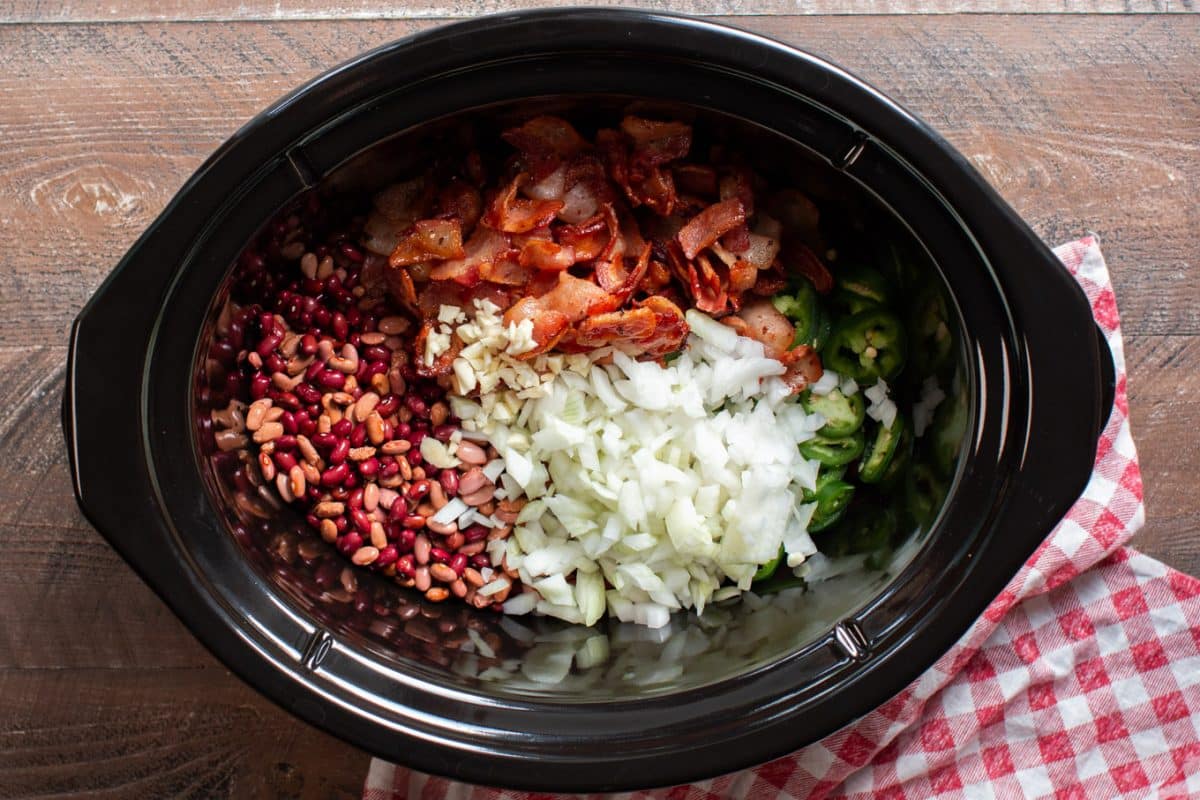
(1081, 680)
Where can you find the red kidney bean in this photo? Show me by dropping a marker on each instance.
(339, 451)
(284, 459)
(387, 555)
(348, 543)
(342, 427)
(481, 560)
(443, 432)
(331, 379)
(260, 384)
(358, 437)
(275, 363)
(351, 481)
(439, 555)
(285, 442)
(339, 325)
(307, 393)
(405, 565)
(360, 520)
(355, 500)
(448, 478)
(376, 352)
(403, 429)
(368, 467)
(406, 540)
(414, 521)
(458, 563)
(314, 369)
(389, 467)
(308, 344)
(288, 421)
(351, 252)
(475, 533)
(418, 490)
(387, 406)
(336, 475)
(416, 405)
(325, 441)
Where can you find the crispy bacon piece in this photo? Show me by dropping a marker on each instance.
(803, 368)
(742, 276)
(545, 142)
(578, 298)
(444, 363)
(624, 328)
(737, 240)
(400, 286)
(706, 285)
(620, 282)
(513, 214)
(656, 142)
(545, 255)
(461, 200)
(709, 225)
(429, 239)
(762, 322)
(588, 239)
(506, 271)
(799, 258)
(485, 247)
(670, 328)
(739, 183)
(636, 157)
(698, 179)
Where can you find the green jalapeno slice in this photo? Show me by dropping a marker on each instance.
(866, 346)
(843, 415)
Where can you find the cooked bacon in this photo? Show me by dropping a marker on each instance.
(738, 183)
(799, 258)
(512, 214)
(656, 142)
(484, 247)
(461, 200)
(506, 271)
(769, 283)
(742, 276)
(545, 255)
(429, 239)
(670, 328)
(641, 175)
(698, 179)
(577, 298)
(400, 286)
(624, 328)
(762, 322)
(737, 240)
(709, 225)
(803, 368)
(545, 142)
(620, 282)
(588, 239)
(442, 364)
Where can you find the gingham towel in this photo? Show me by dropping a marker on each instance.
(1081, 680)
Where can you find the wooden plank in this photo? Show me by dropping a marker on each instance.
(185, 733)
(226, 10)
(1078, 123)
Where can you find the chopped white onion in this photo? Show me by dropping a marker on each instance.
(450, 512)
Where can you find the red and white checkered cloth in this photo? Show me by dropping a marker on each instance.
(1081, 680)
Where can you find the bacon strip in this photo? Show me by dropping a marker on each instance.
(429, 239)
(709, 225)
(512, 214)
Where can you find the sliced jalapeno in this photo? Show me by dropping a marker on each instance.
(924, 493)
(832, 497)
(929, 327)
(893, 471)
(768, 569)
(834, 452)
(881, 451)
(820, 336)
(866, 346)
(860, 288)
(947, 430)
(843, 415)
(799, 306)
(866, 528)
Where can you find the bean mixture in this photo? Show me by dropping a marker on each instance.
(337, 413)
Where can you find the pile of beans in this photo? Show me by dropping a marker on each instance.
(327, 402)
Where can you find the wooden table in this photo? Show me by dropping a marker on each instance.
(1083, 121)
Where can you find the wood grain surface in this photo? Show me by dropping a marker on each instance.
(1084, 122)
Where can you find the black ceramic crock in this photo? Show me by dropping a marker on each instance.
(642, 708)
